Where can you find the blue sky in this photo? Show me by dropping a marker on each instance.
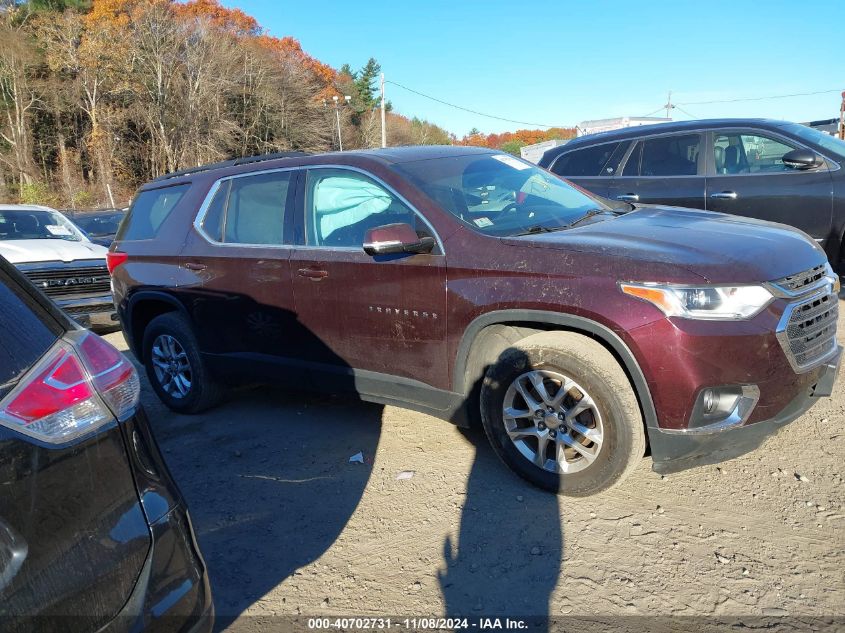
(558, 63)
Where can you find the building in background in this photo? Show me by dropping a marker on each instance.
(533, 153)
(828, 126)
(605, 125)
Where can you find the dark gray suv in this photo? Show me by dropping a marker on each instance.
(771, 170)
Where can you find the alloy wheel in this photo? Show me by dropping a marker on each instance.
(552, 421)
(171, 366)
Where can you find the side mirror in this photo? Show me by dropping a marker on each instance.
(396, 238)
(802, 159)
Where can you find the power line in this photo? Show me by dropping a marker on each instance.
(489, 116)
(655, 112)
(677, 107)
(795, 94)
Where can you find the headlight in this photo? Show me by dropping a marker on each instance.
(702, 302)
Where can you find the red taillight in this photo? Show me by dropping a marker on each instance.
(79, 385)
(58, 386)
(113, 260)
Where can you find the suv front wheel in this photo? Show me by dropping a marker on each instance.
(174, 366)
(560, 412)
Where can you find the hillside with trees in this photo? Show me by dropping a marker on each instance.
(512, 142)
(99, 96)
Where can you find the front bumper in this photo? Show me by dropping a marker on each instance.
(675, 451)
(97, 313)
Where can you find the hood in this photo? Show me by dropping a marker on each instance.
(45, 250)
(719, 247)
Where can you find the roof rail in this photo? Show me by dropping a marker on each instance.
(245, 160)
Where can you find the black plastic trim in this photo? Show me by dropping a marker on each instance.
(125, 312)
(570, 322)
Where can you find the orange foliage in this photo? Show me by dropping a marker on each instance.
(290, 48)
(524, 137)
(232, 21)
(110, 13)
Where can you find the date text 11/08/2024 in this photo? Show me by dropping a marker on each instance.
(416, 624)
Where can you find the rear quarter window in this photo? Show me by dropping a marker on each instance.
(589, 161)
(24, 337)
(149, 211)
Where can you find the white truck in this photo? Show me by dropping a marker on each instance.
(60, 261)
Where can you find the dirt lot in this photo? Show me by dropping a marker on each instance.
(289, 526)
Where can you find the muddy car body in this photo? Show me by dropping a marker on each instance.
(486, 310)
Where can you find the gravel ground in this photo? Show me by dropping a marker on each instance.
(289, 526)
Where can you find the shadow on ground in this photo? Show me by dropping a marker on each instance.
(510, 570)
(269, 485)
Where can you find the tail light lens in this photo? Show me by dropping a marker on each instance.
(78, 386)
(113, 260)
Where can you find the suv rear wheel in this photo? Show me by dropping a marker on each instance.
(175, 368)
(560, 412)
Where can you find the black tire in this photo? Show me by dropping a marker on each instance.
(591, 366)
(204, 391)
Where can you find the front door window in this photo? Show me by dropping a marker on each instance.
(343, 205)
(735, 153)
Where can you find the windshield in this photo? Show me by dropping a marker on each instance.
(500, 195)
(100, 223)
(36, 224)
(830, 143)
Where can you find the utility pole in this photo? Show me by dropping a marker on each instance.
(383, 116)
(669, 105)
(842, 118)
(336, 100)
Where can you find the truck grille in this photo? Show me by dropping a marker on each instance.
(70, 281)
(794, 283)
(808, 333)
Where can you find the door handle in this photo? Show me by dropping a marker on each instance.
(312, 273)
(195, 266)
(725, 195)
(628, 197)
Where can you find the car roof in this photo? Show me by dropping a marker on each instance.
(24, 207)
(660, 128)
(384, 156)
(675, 126)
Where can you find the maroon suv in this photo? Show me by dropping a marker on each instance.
(468, 284)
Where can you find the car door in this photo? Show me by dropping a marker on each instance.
(746, 176)
(381, 316)
(243, 310)
(665, 169)
(591, 167)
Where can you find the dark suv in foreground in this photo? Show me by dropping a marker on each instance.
(94, 535)
(757, 168)
(469, 284)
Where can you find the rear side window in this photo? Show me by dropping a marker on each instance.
(149, 211)
(24, 337)
(589, 161)
(249, 210)
(670, 156)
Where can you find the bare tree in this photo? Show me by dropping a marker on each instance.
(17, 100)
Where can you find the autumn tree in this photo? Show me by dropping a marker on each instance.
(98, 96)
(18, 99)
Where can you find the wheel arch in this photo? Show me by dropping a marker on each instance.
(141, 308)
(468, 355)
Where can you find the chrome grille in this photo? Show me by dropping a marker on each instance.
(794, 283)
(70, 281)
(88, 309)
(808, 333)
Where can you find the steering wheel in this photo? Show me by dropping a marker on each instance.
(513, 207)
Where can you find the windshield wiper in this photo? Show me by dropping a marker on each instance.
(589, 214)
(539, 228)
